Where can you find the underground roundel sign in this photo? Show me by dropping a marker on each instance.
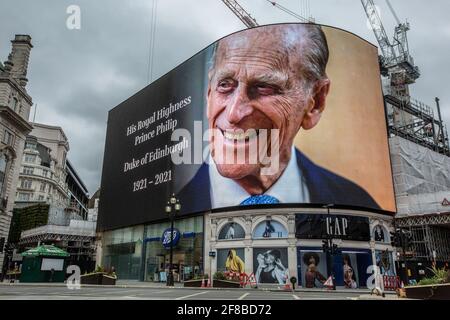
(166, 237)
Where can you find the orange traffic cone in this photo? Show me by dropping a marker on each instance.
(209, 283)
(203, 283)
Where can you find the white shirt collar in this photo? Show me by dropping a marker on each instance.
(290, 187)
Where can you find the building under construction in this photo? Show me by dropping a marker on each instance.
(419, 148)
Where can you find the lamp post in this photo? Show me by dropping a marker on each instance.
(328, 247)
(172, 208)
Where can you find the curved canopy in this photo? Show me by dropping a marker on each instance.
(45, 250)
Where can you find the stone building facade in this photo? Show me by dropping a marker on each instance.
(43, 172)
(15, 105)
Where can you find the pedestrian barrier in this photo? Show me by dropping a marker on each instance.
(287, 285)
(329, 283)
(391, 283)
(244, 279)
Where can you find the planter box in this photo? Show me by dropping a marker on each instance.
(430, 292)
(193, 283)
(226, 284)
(108, 280)
(97, 279)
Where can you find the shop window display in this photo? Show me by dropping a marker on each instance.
(187, 253)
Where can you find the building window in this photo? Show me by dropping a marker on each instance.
(64, 159)
(24, 196)
(26, 184)
(28, 170)
(43, 187)
(8, 138)
(41, 198)
(3, 165)
(30, 158)
(14, 103)
(270, 229)
(45, 173)
(30, 145)
(232, 231)
(380, 234)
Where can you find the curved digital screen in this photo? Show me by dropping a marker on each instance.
(275, 115)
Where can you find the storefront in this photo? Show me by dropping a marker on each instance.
(187, 250)
(255, 244)
(276, 244)
(122, 249)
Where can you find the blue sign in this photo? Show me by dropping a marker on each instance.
(166, 237)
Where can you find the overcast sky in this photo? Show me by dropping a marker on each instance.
(76, 76)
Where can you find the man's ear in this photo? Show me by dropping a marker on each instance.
(316, 104)
(208, 95)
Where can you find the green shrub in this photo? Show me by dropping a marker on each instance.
(99, 269)
(219, 275)
(439, 277)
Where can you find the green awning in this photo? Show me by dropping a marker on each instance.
(46, 251)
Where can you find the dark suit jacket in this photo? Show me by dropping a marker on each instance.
(324, 187)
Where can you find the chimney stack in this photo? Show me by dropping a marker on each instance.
(17, 63)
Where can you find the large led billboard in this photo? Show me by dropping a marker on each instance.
(275, 115)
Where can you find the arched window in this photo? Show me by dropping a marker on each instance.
(231, 231)
(270, 229)
(380, 234)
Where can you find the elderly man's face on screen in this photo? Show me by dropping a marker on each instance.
(261, 80)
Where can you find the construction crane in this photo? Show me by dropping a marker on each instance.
(250, 22)
(408, 118)
(396, 61)
(240, 12)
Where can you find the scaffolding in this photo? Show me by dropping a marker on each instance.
(430, 242)
(415, 121)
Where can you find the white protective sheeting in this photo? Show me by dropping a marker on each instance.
(421, 178)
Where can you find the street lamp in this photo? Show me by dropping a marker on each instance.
(328, 247)
(172, 208)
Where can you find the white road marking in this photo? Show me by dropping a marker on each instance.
(104, 293)
(191, 295)
(243, 296)
(296, 297)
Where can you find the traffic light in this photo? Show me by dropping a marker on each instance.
(407, 240)
(325, 245)
(392, 235)
(396, 239)
(335, 249)
(9, 249)
(2, 244)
